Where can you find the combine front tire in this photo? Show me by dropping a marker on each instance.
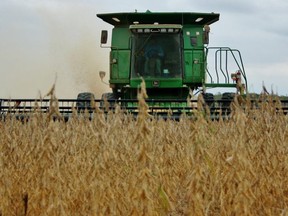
(227, 99)
(107, 101)
(209, 99)
(85, 100)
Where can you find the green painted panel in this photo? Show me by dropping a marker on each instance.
(188, 66)
(121, 38)
(198, 66)
(193, 37)
(227, 85)
(194, 66)
(120, 64)
(162, 83)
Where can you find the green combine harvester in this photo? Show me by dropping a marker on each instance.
(170, 52)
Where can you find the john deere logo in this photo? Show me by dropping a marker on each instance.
(156, 83)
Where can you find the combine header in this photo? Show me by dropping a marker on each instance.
(169, 51)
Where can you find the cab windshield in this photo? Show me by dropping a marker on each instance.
(156, 55)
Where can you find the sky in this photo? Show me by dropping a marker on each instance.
(46, 42)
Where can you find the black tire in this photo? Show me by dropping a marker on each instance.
(209, 99)
(85, 100)
(109, 97)
(227, 98)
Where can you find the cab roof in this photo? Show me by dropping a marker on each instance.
(183, 18)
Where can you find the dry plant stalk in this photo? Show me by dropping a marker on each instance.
(118, 165)
(54, 106)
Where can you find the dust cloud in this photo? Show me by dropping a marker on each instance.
(49, 44)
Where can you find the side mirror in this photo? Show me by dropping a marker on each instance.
(104, 36)
(102, 74)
